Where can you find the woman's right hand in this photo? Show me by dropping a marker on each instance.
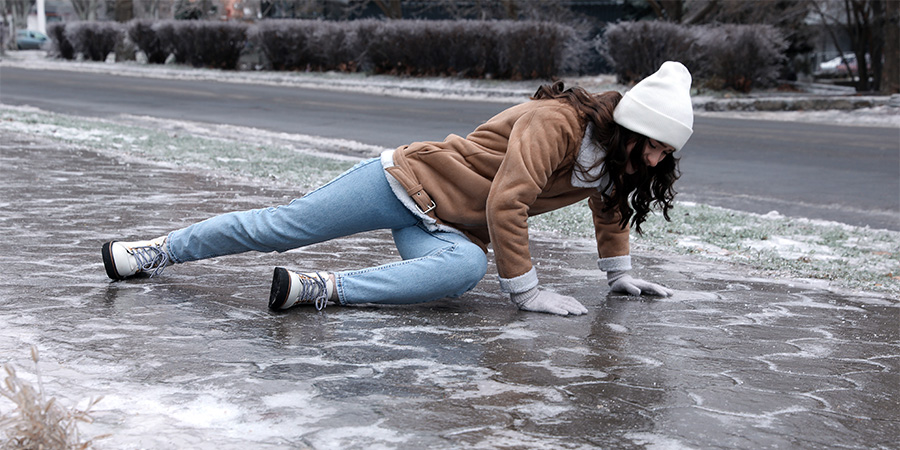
(621, 281)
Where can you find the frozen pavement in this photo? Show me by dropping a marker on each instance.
(193, 359)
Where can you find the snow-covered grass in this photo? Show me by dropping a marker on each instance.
(772, 245)
(298, 164)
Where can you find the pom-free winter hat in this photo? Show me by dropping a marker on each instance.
(659, 106)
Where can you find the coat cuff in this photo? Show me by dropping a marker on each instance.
(520, 283)
(615, 263)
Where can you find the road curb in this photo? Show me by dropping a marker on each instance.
(804, 103)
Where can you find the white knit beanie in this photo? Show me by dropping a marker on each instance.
(660, 107)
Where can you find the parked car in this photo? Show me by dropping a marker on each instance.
(836, 67)
(30, 40)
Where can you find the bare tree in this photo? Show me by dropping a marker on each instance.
(550, 10)
(682, 11)
(15, 17)
(669, 10)
(780, 13)
(86, 9)
(789, 16)
(124, 10)
(869, 24)
(195, 9)
(392, 9)
(860, 15)
(890, 75)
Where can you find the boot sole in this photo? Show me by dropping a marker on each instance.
(109, 263)
(281, 288)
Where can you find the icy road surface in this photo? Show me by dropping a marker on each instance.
(193, 359)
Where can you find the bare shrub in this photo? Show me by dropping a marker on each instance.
(202, 43)
(738, 57)
(94, 40)
(333, 46)
(637, 49)
(61, 45)
(217, 44)
(39, 422)
(478, 58)
(175, 39)
(307, 44)
(393, 48)
(502, 49)
(532, 49)
(143, 35)
(741, 57)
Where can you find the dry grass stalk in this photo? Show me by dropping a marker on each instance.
(37, 422)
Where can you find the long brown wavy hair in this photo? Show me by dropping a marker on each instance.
(633, 195)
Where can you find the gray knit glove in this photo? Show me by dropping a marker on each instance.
(537, 300)
(620, 281)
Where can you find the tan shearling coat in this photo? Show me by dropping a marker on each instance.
(516, 165)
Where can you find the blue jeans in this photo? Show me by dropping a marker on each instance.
(435, 264)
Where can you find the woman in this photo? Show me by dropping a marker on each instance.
(444, 202)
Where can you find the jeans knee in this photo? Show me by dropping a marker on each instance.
(477, 264)
(469, 267)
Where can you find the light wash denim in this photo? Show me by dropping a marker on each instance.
(435, 264)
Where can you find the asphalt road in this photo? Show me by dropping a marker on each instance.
(846, 174)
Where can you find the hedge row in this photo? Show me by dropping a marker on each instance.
(719, 56)
(93, 40)
(198, 43)
(501, 49)
(739, 57)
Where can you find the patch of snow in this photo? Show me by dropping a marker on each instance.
(790, 248)
(651, 441)
(333, 148)
(879, 116)
(697, 244)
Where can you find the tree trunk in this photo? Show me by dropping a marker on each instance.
(836, 41)
(392, 9)
(510, 10)
(856, 17)
(6, 38)
(877, 43)
(890, 73)
(669, 10)
(18, 9)
(124, 10)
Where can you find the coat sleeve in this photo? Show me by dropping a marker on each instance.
(613, 244)
(538, 144)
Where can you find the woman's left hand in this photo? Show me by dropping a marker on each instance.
(536, 300)
(621, 281)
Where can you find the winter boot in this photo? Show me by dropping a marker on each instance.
(291, 288)
(125, 259)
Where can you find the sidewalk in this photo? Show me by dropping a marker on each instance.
(193, 359)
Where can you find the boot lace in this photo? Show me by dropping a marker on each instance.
(313, 289)
(151, 259)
